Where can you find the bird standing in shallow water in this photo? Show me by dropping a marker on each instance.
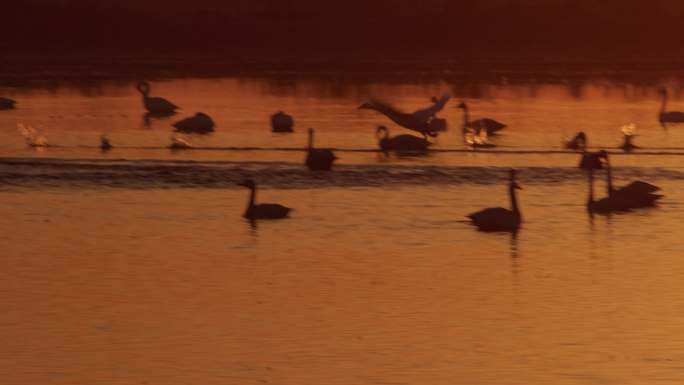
(499, 218)
(318, 159)
(262, 210)
(490, 125)
(155, 105)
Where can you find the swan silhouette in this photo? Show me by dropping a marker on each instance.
(422, 121)
(201, 123)
(637, 194)
(668, 116)
(499, 218)
(262, 210)
(605, 205)
(155, 105)
(105, 144)
(318, 159)
(401, 143)
(578, 142)
(490, 125)
(7, 103)
(282, 122)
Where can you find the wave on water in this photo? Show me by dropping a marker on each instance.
(150, 174)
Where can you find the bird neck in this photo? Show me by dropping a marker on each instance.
(514, 199)
(609, 177)
(252, 197)
(590, 175)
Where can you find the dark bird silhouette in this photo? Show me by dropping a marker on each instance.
(604, 205)
(7, 103)
(262, 210)
(627, 144)
(578, 142)
(201, 123)
(401, 143)
(421, 121)
(282, 122)
(499, 218)
(490, 125)
(105, 144)
(318, 159)
(668, 116)
(591, 160)
(637, 194)
(155, 105)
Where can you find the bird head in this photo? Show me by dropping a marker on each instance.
(143, 87)
(462, 105)
(513, 183)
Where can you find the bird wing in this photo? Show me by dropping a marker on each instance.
(638, 188)
(426, 113)
(488, 215)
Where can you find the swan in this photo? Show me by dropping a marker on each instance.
(499, 218)
(636, 194)
(490, 125)
(155, 105)
(422, 121)
(605, 205)
(401, 143)
(105, 144)
(262, 210)
(668, 116)
(7, 103)
(282, 122)
(578, 142)
(201, 123)
(318, 159)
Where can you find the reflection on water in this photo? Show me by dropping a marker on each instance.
(135, 266)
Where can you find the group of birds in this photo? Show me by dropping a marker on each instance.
(637, 194)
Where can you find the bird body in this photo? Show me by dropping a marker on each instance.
(155, 105)
(637, 194)
(499, 218)
(487, 124)
(282, 122)
(668, 116)
(422, 121)
(201, 123)
(605, 205)
(7, 103)
(318, 159)
(178, 143)
(401, 143)
(262, 210)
